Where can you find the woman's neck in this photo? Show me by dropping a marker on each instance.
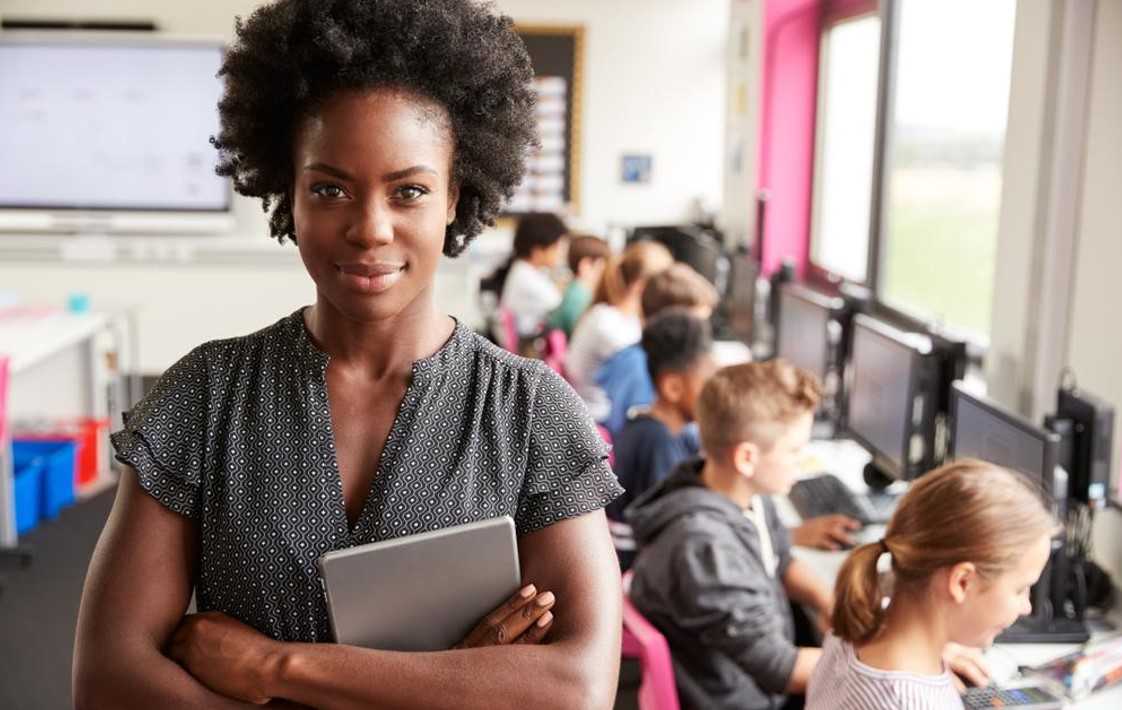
(912, 640)
(384, 347)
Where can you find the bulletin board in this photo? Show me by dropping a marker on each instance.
(552, 182)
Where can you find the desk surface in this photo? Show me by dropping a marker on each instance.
(845, 459)
(28, 336)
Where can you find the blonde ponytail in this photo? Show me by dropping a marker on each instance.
(967, 511)
(858, 601)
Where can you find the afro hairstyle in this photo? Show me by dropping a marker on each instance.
(291, 55)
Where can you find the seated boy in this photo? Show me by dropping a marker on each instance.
(624, 377)
(714, 570)
(587, 258)
(678, 348)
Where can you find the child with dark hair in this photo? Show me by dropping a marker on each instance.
(623, 378)
(588, 256)
(678, 347)
(528, 291)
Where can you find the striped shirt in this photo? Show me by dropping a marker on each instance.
(842, 682)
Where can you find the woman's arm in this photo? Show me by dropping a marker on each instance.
(577, 667)
(136, 592)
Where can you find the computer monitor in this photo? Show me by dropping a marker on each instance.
(985, 430)
(804, 338)
(109, 131)
(736, 311)
(688, 244)
(891, 398)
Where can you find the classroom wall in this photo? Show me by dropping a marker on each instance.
(654, 83)
(1019, 371)
(1095, 345)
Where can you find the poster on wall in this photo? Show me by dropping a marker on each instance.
(552, 176)
(543, 189)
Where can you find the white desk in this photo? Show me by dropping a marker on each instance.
(53, 371)
(846, 459)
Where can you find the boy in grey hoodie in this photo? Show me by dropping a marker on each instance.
(714, 570)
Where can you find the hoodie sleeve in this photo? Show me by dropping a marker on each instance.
(780, 538)
(726, 601)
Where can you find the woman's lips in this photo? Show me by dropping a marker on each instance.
(370, 278)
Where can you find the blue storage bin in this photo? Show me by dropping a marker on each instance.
(27, 484)
(59, 461)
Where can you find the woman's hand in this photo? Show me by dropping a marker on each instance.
(968, 664)
(225, 655)
(524, 618)
(827, 532)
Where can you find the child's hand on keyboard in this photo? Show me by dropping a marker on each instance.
(969, 665)
(827, 532)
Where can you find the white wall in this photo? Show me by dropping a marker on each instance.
(1095, 347)
(654, 83)
(1042, 144)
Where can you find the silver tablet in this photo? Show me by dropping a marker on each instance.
(422, 592)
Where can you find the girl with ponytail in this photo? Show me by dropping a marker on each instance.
(613, 322)
(964, 546)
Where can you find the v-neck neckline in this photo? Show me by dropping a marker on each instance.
(423, 372)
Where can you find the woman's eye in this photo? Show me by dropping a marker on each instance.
(327, 190)
(411, 192)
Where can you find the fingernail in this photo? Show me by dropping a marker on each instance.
(526, 592)
(545, 599)
(545, 619)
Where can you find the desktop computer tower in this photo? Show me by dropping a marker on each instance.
(1092, 439)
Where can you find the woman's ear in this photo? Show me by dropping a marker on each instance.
(961, 579)
(453, 200)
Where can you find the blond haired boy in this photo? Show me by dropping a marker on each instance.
(714, 571)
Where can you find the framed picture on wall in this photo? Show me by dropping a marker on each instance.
(552, 181)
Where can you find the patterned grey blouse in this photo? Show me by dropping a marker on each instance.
(237, 436)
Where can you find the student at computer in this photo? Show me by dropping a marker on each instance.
(529, 292)
(966, 543)
(714, 570)
(381, 135)
(587, 257)
(613, 321)
(624, 378)
(678, 351)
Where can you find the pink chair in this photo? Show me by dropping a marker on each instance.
(607, 437)
(507, 330)
(556, 345)
(643, 641)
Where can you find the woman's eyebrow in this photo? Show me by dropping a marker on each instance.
(330, 170)
(400, 174)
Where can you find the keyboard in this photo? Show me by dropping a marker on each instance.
(1028, 698)
(825, 494)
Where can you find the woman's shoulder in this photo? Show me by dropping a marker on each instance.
(229, 356)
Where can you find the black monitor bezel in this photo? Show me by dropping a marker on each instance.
(1051, 440)
(830, 305)
(906, 341)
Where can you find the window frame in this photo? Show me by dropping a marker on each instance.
(835, 14)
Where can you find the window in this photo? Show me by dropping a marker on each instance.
(843, 171)
(942, 175)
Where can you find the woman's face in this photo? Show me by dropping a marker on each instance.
(372, 196)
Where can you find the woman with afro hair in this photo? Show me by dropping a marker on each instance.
(380, 135)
